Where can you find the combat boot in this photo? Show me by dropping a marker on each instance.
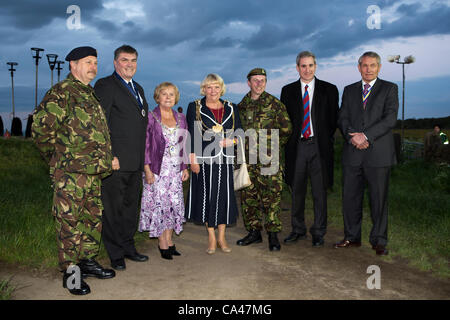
(91, 268)
(274, 244)
(81, 291)
(254, 236)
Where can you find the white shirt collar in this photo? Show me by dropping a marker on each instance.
(371, 83)
(310, 85)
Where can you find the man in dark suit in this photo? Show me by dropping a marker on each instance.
(126, 110)
(366, 119)
(312, 105)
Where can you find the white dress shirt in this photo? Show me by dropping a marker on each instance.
(311, 94)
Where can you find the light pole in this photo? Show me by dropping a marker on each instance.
(37, 56)
(407, 60)
(58, 67)
(12, 64)
(51, 57)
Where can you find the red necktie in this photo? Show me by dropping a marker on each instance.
(306, 128)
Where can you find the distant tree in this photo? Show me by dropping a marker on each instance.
(28, 129)
(424, 123)
(16, 127)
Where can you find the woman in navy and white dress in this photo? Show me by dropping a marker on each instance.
(211, 123)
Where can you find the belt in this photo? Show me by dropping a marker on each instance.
(308, 140)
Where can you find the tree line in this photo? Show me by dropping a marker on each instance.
(425, 123)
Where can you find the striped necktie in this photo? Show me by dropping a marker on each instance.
(366, 93)
(135, 93)
(306, 126)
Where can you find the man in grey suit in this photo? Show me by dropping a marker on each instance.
(367, 116)
(125, 106)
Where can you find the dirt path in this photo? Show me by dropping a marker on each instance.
(296, 272)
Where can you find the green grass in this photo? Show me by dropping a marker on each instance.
(419, 206)
(6, 289)
(27, 229)
(416, 135)
(26, 224)
(419, 213)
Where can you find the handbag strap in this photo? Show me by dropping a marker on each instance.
(242, 148)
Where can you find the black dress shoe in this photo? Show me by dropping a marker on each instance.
(118, 264)
(347, 244)
(274, 244)
(380, 250)
(81, 291)
(137, 257)
(165, 253)
(293, 237)
(317, 242)
(173, 251)
(91, 268)
(254, 236)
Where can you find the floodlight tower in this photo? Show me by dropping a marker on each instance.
(407, 60)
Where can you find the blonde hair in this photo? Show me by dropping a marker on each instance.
(165, 85)
(212, 78)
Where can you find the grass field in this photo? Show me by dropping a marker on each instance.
(419, 206)
(6, 289)
(416, 135)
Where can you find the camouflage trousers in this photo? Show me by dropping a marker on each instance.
(262, 200)
(77, 208)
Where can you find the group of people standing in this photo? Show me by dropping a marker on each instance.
(110, 154)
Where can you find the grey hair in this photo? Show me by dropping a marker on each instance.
(305, 54)
(370, 54)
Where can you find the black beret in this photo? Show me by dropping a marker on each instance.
(80, 53)
(257, 72)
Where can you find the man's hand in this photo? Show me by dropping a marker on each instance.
(359, 140)
(115, 164)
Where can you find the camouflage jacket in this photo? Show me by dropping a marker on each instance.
(265, 113)
(70, 130)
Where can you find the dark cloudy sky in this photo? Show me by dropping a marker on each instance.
(183, 40)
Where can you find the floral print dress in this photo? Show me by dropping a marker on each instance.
(162, 204)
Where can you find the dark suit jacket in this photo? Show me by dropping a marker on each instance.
(126, 124)
(325, 109)
(376, 122)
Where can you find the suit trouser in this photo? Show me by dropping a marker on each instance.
(353, 183)
(308, 164)
(121, 196)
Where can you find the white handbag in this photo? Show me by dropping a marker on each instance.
(241, 177)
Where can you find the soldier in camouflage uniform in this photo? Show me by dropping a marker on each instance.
(70, 130)
(261, 111)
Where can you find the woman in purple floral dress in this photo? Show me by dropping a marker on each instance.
(162, 205)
